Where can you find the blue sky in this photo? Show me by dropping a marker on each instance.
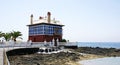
(84, 20)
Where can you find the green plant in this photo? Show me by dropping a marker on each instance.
(7, 36)
(63, 40)
(16, 34)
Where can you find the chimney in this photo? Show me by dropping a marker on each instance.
(49, 17)
(31, 21)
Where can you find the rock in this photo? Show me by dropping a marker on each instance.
(45, 59)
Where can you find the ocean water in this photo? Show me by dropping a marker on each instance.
(102, 61)
(99, 44)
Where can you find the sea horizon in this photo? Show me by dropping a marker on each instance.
(99, 44)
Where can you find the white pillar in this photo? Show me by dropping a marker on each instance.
(57, 42)
(50, 43)
(45, 42)
(30, 42)
(53, 42)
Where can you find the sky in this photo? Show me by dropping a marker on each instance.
(84, 20)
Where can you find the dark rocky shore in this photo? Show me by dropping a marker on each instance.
(62, 58)
(99, 51)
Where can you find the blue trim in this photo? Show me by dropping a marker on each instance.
(44, 30)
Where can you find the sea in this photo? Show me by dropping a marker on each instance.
(99, 44)
(101, 61)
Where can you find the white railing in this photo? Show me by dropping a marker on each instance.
(35, 44)
(71, 44)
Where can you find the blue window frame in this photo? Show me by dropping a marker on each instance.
(44, 30)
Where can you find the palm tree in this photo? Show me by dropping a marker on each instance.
(7, 36)
(1, 34)
(15, 34)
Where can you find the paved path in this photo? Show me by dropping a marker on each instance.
(1, 53)
(1, 56)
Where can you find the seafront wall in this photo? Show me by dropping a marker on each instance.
(22, 51)
(5, 58)
(18, 51)
(25, 48)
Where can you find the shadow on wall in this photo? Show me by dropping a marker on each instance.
(22, 51)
